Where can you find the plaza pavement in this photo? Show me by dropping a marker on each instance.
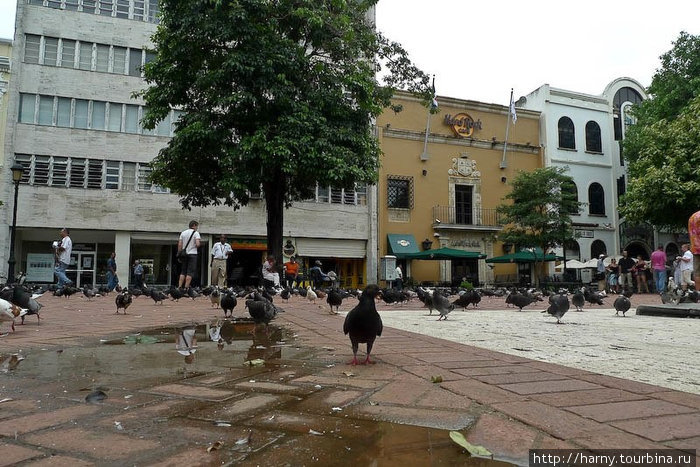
(502, 400)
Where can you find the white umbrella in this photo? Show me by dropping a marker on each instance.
(572, 264)
(591, 263)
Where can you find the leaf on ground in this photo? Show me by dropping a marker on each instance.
(474, 450)
(436, 379)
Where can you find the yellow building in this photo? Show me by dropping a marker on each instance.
(446, 190)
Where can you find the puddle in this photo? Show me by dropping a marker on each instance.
(256, 414)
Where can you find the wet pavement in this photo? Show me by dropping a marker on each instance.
(303, 405)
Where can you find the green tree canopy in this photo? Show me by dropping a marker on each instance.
(538, 209)
(663, 148)
(275, 95)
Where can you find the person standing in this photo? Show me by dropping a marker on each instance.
(694, 234)
(600, 272)
(138, 274)
(112, 279)
(398, 283)
(64, 248)
(658, 267)
(219, 254)
(640, 270)
(613, 272)
(626, 265)
(189, 241)
(291, 272)
(686, 266)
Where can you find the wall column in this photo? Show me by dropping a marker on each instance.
(122, 247)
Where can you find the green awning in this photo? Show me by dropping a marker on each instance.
(524, 256)
(446, 254)
(401, 245)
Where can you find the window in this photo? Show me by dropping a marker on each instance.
(50, 51)
(63, 112)
(25, 160)
(348, 196)
(41, 170)
(567, 139)
(361, 191)
(463, 204)
(139, 10)
(570, 187)
(27, 108)
(106, 7)
(115, 117)
(598, 248)
(67, 53)
(59, 171)
(336, 195)
(45, 110)
(135, 56)
(112, 175)
(77, 173)
(94, 174)
(89, 6)
(119, 60)
(593, 141)
(144, 178)
(72, 5)
(32, 45)
(323, 194)
(85, 61)
(153, 11)
(131, 120)
(163, 128)
(102, 58)
(122, 8)
(129, 176)
(596, 199)
(80, 119)
(400, 192)
(99, 110)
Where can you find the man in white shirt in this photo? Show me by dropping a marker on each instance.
(64, 248)
(190, 241)
(686, 260)
(398, 283)
(219, 254)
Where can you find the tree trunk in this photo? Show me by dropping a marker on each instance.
(274, 201)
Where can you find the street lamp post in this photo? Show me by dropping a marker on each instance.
(17, 171)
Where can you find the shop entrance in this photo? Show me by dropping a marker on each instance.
(82, 269)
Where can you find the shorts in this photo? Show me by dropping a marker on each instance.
(685, 277)
(190, 266)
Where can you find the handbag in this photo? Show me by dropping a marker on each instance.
(181, 255)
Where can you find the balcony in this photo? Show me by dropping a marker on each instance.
(449, 217)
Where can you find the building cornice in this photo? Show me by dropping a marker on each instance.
(466, 142)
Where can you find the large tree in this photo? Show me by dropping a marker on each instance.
(537, 212)
(279, 95)
(663, 147)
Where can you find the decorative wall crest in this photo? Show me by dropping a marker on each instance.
(465, 167)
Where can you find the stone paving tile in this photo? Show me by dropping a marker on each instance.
(556, 422)
(555, 368)
(400, 393)
(613, 438)
(549, 386)
(586, 397)
(429, 371)
(278, 388)
(38, 421)
(519, 378)
(466, 367)
(442, 357)
(663, 428)
(326, 399)
(493, 370)
(625, 384)
(339, 381)
(58, 461)
(11, 454)
(687, 444)
(682, 398)
(302, 423)
(92, 443)
(430, 418)
(480, 392)
(245, 407)
(192, 392)
(628, 410)
(440, 398)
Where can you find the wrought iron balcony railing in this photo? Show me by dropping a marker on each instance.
(451, 216)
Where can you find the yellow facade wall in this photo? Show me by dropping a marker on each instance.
(452, 160)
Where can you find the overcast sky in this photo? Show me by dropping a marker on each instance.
(479, 50)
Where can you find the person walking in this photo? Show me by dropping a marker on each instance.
(686, 266)
(219, 255)
(694, 234)
(138, 274)
(189, 241)
(112, 279)
(658, 268)
(64, 248)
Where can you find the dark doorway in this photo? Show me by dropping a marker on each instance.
(463, 204)
(245, 266)
(465, 269)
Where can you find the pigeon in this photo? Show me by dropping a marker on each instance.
(558, 306)
(621, 304)
(176, 294)
(157, 296)
(363, 324)
(10, 311)
(285, 294)
(123, 300)
(215, 297)
(228, 303)
(334, 299)
(311, 295)
(592, 297)
(442, 305)
(521, 300)
(89, 293)
(578, 300)
(21, 297)
(469, 297)
(262, 311)
(391, 296)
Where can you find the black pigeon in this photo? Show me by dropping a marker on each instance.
(176, 294)
(262, 311)
(521, 300)
(592, 297)
(621, 304)
(391, 296)
(334, 299)
(20, 296)
(123, 300)
(578, 300)
(442, 305)
(363, 324)
(158, 296)
(228, 303)
(469, 297)
(558, 306)
(285, 294)
(89, 293)
(192, 293)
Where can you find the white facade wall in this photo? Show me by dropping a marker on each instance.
(106, 215)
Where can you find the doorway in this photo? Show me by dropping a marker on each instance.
(82, 270)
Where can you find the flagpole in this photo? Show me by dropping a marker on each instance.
(425, 156)
(503, 164)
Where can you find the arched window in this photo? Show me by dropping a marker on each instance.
(593, 141)
(598, 248)
(596, 199)
(567, 139)
(570, 187)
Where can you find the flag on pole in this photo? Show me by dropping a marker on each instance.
(433, 102)
(513, 115)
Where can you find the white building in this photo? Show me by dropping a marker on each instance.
(584, 133)
(73, 124)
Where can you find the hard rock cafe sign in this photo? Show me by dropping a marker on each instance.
(462, 124)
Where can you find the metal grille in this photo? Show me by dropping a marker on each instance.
(399, 192)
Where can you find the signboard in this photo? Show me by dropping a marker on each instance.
(40, 267)
(585, 233)
(462, 124)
